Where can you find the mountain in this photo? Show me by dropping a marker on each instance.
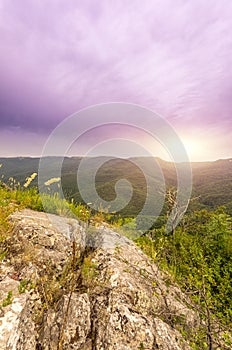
(212, 181)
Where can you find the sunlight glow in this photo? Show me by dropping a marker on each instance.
(194, 148)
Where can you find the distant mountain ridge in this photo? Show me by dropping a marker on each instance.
(212, 181)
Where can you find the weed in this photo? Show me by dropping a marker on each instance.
(25, 285)
(8, 300)
(89, 270)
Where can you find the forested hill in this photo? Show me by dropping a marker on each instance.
(212, 181)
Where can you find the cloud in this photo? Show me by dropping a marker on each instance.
(171, 56)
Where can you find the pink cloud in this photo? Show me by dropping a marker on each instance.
(58, 56)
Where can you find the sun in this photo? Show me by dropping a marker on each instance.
(194, 148)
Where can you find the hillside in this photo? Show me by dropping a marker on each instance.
(56, 269)
(212, 181)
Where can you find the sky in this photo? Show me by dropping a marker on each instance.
(171, 56)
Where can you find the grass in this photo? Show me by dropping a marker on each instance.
(21, 198)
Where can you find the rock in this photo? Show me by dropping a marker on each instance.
(77, 324)
(106, 297)
(9, 322)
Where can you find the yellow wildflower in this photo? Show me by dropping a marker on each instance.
(30, 179)
(52, 181)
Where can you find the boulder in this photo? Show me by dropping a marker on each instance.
(67, 294)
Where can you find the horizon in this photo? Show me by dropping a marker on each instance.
(113, 157)
(60, 58)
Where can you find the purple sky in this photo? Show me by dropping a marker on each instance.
(173, 56)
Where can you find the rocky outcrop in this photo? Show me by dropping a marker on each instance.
(60, 293)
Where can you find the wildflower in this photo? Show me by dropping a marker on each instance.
(30, 179)
(52, 181)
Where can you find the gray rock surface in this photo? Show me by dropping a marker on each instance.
(104, 297)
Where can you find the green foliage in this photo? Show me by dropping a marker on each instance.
(8, 300)
(80, 210)
(25, 285)
(54, 204)
(22, 286)
(199, 256)
(148, 246)
(88, 270)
